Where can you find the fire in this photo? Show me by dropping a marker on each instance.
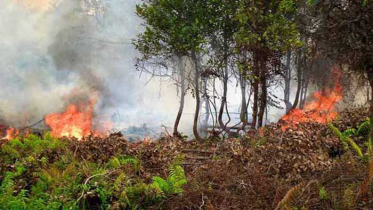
(74, 122)
(321, 108)
(11, 133)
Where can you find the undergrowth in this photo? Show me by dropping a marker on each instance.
(41, 173)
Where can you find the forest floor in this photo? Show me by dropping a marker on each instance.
(304, 167)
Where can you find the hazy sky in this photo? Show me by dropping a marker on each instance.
(53, 49)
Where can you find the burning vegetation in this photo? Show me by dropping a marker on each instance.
(282, 147)
(322, 106)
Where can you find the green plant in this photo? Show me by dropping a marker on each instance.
(173, 184)
(117, 162)
(156, 191)
(58, 179)
(345, 138)
(363, 129)
(323, 194)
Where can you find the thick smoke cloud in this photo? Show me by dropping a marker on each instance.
(54, 52)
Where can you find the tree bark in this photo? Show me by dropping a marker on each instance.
(207, 103)
(297, 95)
(287, 78)
(263, 95)
(370, 77)
(197, 95)
(305, 90)
(225, 85)
(255, 91)
(243, 114)
(182, 96)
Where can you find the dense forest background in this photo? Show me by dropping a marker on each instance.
(260, 45)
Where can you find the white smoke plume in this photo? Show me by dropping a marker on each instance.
(54, 52)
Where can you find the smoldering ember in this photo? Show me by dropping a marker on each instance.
(186, 104)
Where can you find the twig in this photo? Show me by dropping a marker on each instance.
(203, 202)
(87, 180)
(33, 124)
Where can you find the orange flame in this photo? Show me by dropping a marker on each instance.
(11, 133)
(74, 122)
(321, 108)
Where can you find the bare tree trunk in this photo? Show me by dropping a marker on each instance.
(368, 94)
(214, 101)
(297, 95)
(305, 90)
(371, 121)
(207, 103)
(255, 91)
(182, 95)
(287, 78)
(243, 114)
(225, 86)
(263, 96)
(198, 99)
(370, 78)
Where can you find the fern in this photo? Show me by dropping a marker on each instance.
(340, 135)
(349, 132)
(355, 147)
(119, 180)
(176, 179)
(130, 160)
(117, 162)
(159, 189)
(289, 197)
(114, 163)
(364, 128)
(346, 140)
(163, 185)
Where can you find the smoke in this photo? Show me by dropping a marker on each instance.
(56, 52)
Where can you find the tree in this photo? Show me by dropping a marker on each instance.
(343, 31)
(175, 28)
(266, 31)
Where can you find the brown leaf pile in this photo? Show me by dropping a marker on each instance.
(297, 151)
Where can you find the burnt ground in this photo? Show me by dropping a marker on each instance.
(301, 168)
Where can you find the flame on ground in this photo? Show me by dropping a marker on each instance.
(321, 108)
(74, 122)
(11, 133)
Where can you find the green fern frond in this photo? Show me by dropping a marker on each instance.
(355, 147)
(114, 163)
(159, 182)
(349, 132)
(340, 135)
(119, 180)
(118, 162)
(10, 151)
(364, 128)
(16, 143)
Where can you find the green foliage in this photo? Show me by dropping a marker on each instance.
(58, 180)
(323, 194)
(159, 189)
(364, 128)
(268, 26)
(117, 162)
(172, 27)
(345, 138)
(174, 182)
(340, 135)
